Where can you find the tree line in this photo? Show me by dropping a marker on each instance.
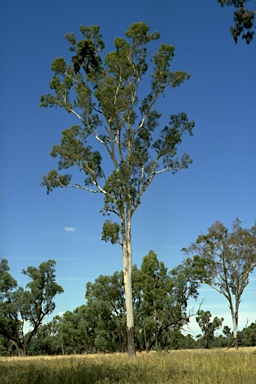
(69, 334)
(221, 259)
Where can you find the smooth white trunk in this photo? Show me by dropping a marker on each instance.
(127, 268)
(127, 271)
(235, 327)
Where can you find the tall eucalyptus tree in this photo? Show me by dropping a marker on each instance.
(116, 122)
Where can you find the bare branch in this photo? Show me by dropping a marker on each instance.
(75, 113)
(95, 109)
(78, 186)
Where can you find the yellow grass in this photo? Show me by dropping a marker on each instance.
(216, 366)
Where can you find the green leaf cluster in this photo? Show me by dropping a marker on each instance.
(19, 306)
(207, 326)
(243, 20)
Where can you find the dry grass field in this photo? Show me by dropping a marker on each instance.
(218, 366)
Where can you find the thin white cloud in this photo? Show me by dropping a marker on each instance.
(69, 229)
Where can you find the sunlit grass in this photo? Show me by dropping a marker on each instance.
(179, 367)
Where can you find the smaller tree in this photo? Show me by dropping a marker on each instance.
(243, 20)
(224, 261)
(228, 336)
(207, 326)
(19, 306)
(107, 315)
(160, 302)
(7, 288)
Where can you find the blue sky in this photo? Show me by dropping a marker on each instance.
(66, 225)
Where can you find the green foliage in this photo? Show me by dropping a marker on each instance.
(54, 180)
(207, 326)
(7, 282)
(19, 306)
(110, 232)
(160, 301)
(42, 288)
(243, 20)
(247, 337)
(224, 261)
(106, 305)
(8, 285)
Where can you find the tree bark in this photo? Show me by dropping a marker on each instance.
(127, 270)
(130, 342)
(235, 326)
